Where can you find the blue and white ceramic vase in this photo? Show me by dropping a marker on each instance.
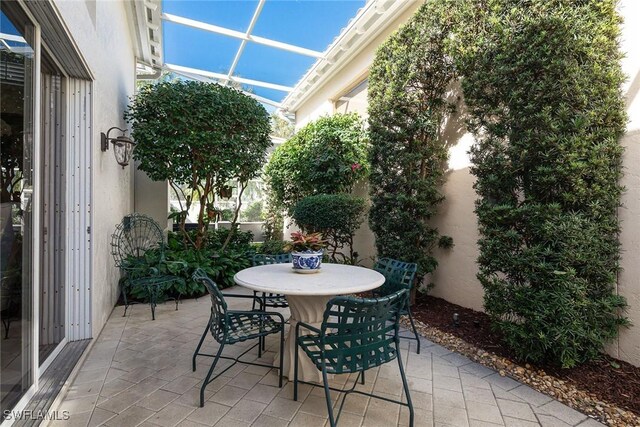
(307, 261)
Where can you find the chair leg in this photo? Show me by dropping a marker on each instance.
(327, 394)
(206, 380)
(264, 308)
(123, 289)
(281, 356)
(415, 331)
(204, 334)
(405, 385)
(6, 324)
(295, 370)
(153, 291)
(253, 304)
(362, 378)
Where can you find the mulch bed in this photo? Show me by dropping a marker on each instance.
(609, 379)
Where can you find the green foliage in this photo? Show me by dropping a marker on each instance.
(182, 261)
(272, 247)
(337, 217)
(409, 111)
(198, 136)
(272, 216)
(328, 156)
(542, 82)
(253, 212)
(226, 215)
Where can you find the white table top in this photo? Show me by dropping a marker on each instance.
(333, 279)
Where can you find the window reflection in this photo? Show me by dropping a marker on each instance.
(16, 190)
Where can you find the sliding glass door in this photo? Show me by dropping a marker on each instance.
(17, 228)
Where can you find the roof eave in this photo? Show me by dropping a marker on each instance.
(146, 26)
(371, 20)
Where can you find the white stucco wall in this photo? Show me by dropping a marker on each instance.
(102, 35)
(628, 345)
(151, 198)
(455, 279)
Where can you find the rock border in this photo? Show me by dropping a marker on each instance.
(538, 379)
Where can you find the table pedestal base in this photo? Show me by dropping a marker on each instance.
(307, 309)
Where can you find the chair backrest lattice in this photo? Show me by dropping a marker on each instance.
(361, 333)
(265, 259)
(135, 235)
(398, 275)
(219, 319)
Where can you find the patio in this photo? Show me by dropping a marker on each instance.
(138, 372)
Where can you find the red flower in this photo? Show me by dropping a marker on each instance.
(355, 167)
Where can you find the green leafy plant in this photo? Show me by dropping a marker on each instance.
(301, 242)
(253, 212)
(409, 108)
(542, 82)
(328, 156)
(272, 215)
(226, 215)
(199, 137)
(271, 247)
(337, 217)
(220, 265)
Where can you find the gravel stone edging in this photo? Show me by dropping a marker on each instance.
(537, 379)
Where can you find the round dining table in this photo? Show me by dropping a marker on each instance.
(307, 295)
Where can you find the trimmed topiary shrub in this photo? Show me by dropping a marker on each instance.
(542, 83)
(409, 82)
(337, 217)
(327, 156)
(199, 137)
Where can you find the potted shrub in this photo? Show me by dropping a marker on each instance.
(307, 251)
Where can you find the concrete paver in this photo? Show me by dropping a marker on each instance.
(138, 372)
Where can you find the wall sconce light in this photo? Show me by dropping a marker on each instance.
(122, 146)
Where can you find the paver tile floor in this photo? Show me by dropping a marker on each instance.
(138, 373)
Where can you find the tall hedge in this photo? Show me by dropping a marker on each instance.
(409, 82)
(542, 83)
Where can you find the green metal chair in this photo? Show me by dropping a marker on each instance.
(133, 237)
(270, 299)
(356, 334)
(398, 275)
(229, 327)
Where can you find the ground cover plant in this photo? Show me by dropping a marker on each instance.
(182, 262)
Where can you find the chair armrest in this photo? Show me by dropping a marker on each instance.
(307, 326)
(258, 313)
(255, 298)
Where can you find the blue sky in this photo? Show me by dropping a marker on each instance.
(312, 24)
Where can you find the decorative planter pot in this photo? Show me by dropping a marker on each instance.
(307, 261)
